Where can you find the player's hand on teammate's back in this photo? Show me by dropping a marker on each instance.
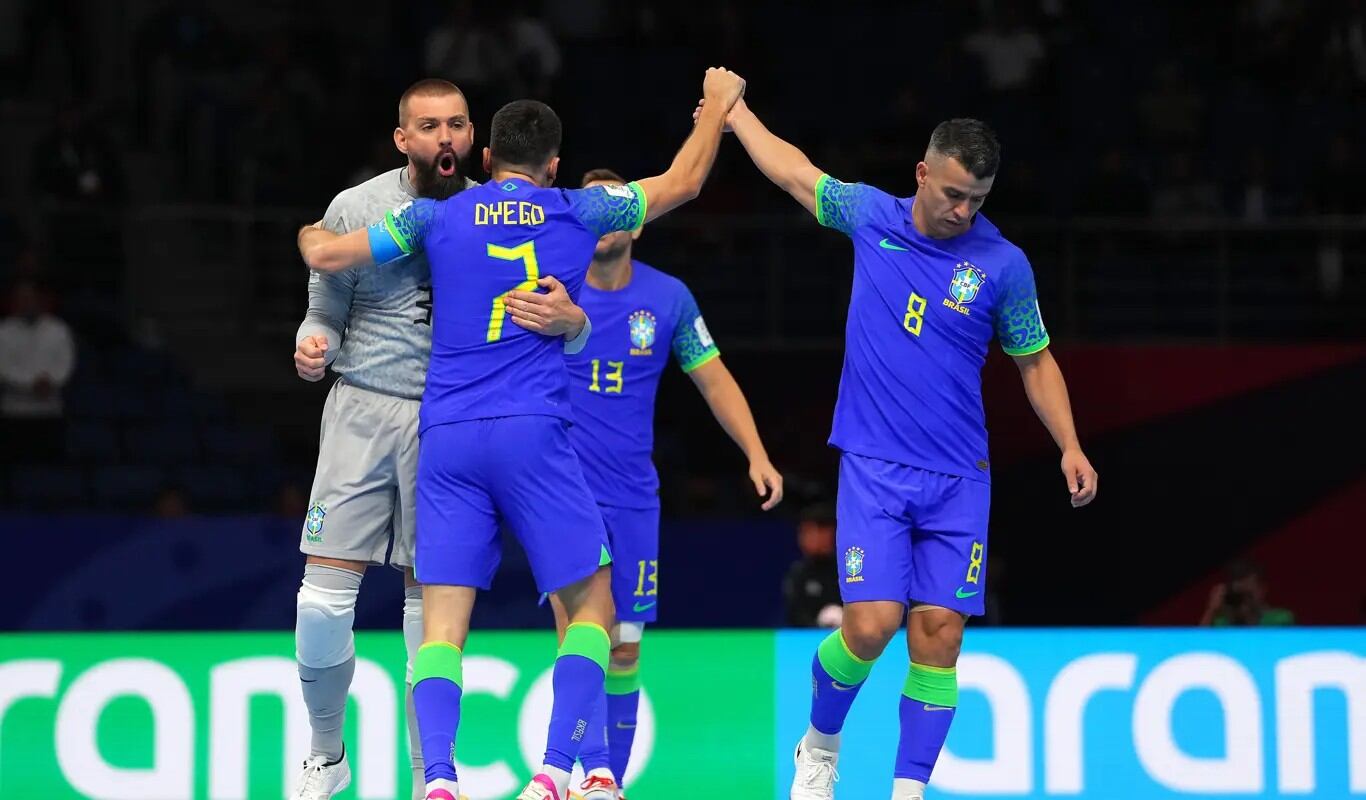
(551, 313)
(723, 86)
(767, 481)
(310, 358)
(1081, 477)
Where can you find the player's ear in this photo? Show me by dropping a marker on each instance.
(551, 170)
(922, 171)
(488, 162)
(401, 141)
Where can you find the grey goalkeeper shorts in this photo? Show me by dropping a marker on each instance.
(365, 488)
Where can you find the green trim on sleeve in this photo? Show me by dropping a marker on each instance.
(399, 238)
(705, 358)
(820, 187)
(643, 201)
(1028, 350)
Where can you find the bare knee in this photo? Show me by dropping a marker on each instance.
(935, 636)
(590, 599)
(868, 627)
(626, 656)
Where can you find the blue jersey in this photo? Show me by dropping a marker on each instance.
(483, 243)
(921, 315)
(614, 379)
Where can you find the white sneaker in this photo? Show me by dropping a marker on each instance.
(540, 788)
(598, 786)
(816, 775)
(442, 789)
(322, 781)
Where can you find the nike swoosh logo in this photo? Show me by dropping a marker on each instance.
(937, 708)
(622, 726)
(840, 687)
(886, 245)
(962, 595)
(306, 680)
(638, 608)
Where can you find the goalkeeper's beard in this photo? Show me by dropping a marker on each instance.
(429, 182)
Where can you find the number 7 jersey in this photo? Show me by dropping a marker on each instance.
(921, 315)
(483, 243)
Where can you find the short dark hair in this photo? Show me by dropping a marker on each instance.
(601, 175)
(970, 142)
(427, 87)
(525, 133)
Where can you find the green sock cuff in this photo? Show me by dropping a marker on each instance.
(932, 685)
(837, 659)
(623, 681)
(438, 660)
(588, 640)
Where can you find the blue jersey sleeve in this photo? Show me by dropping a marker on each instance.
(844, 206)
(403, 231)
(605, 209)
(692, 342)
(1019, 324)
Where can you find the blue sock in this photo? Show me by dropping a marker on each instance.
(594, 752)
(623, 702)
(437, 678)
(836, 677)
(928, 703)
(578, 682)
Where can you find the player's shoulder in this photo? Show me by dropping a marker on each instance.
(661, 284)
(989, 242)
(386, 186)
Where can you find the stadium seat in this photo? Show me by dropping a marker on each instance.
(127, 488)
(216, 488)
(48, 488)
(92, 442)
(166, 445)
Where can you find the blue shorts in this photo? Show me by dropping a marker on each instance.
(474, 475)
(633, 536)
(911, 535)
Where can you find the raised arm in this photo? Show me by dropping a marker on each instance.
(326, 251)
(779, 160)
(684, 178)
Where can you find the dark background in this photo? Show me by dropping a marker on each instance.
(1187, 179)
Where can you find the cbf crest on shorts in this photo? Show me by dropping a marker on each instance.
(853, 565)
(642, 332)
(313, 523)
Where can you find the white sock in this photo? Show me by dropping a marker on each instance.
(441, 783)
(412, 640)
(560, 777)
(907, 789)
(822, 741)
(419, 790)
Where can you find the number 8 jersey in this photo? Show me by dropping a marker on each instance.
(483, 243)
(921, 315)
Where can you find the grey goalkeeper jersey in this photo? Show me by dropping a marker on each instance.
(378, 322)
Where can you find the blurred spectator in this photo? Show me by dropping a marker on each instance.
(535, 58)
(463, 51)
(1338, 185)
(1241, 600)
(1010, 51)
(291, 501)
(37, 356)
(1172, 109)
(1185, 193)
(812, 588)
(171, 503)
(1346, 48)
(1115, 189)
(76, 162)
(1256, 201)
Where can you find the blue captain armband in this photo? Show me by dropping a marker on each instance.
(385, 244)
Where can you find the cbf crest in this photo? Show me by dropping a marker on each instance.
(967, 280)
(853, 565)
(642, 325)
(313, 523)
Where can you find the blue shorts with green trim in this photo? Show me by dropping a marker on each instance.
(520, 471)
(910, 535)
(633, 538)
